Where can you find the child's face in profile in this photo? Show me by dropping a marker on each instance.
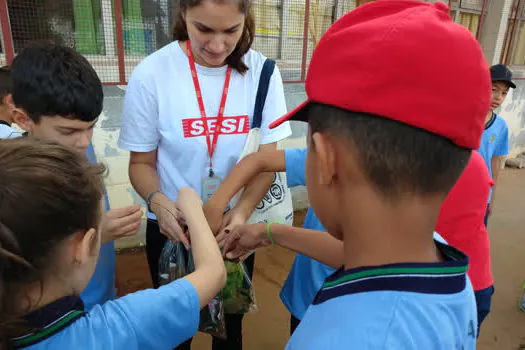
(500, 90)
(73, 133)
(6, 109)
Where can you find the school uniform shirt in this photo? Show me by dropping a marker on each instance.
(461, 216)
(161, 112)
(307, 275)
(101, 287)
(494, 142)
(408, 306)
(7, 132)
(149, 319)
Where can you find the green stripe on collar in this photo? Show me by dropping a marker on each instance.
(49, 330)
(388, 271)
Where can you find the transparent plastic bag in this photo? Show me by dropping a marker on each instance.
(238, 296)
(176, 262)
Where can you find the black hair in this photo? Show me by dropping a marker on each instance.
(397, 158)
(54, 80)
(6, 85)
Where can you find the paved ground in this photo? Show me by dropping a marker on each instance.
(268, 329)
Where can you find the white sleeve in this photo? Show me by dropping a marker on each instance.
(274, 108)
(139, 130)
(150, 319)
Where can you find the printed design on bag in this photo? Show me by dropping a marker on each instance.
(274, 196)
(230, 125)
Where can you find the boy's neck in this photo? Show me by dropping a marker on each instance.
(5, 115)
(489, 116)
(379, 233)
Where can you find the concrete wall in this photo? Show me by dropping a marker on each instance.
(119, 189)
(513, 111)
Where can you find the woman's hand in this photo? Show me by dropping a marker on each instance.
(243, 239)
(169, 218)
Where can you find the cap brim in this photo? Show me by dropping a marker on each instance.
(299, 113)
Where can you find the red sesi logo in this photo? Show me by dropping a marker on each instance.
(194, 127)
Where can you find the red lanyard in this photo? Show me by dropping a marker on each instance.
(211, 143)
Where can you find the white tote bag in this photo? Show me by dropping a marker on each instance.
(276, 205)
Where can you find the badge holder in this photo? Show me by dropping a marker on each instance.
(210, 184)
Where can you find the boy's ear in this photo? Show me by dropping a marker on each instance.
(21, 119)
(84, 245)
(325, 154)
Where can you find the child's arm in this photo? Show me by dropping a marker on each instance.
(496, 167)
(210, 274)
(318, 245)
(242, 174)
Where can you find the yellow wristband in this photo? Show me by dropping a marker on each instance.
(269, 232)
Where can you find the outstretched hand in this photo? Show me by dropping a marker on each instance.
(243, 239)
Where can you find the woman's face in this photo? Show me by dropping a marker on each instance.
(214, 30)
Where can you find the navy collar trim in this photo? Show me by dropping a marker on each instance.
(448, 277)
(3, 122)
(49, 320)
(491, 121)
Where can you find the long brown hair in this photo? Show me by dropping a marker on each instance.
(180, 32)
(47, 193)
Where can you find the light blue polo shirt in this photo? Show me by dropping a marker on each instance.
(494, 142)
(409, 306)
(101, 287)
(149, 319)
(307, 275)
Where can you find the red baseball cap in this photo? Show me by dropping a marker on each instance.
(404, 60)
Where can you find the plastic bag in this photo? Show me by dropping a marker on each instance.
(176, 262)
(238, 296)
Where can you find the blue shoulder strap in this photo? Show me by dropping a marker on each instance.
(262, 92)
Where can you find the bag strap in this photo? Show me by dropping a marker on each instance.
(262, 92)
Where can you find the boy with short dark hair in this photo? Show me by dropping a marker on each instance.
(495, 140)
(384, 149)
(58, 96)
(6, 117)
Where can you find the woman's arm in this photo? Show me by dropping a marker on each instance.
(318, 245)
(256, 189)
(145, 180)
(242, 174)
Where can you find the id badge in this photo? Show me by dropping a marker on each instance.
(210, 184)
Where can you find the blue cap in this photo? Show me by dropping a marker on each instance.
(500, 72)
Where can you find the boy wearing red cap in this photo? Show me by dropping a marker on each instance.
(384, 149)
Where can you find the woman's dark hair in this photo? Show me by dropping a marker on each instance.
(47, 193)
(180, 32)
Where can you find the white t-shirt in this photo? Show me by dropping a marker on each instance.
(7, 132)
(161, 112)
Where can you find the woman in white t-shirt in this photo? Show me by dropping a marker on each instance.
(164, 126)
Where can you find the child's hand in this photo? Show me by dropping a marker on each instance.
(243, 239)
(120, 222)
(188, 198)
(230, 220)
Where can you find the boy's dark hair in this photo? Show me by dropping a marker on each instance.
(6, 85)
(47, 193)
(54, 80)
(397, 158)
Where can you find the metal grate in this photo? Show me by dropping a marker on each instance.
(115, 35)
